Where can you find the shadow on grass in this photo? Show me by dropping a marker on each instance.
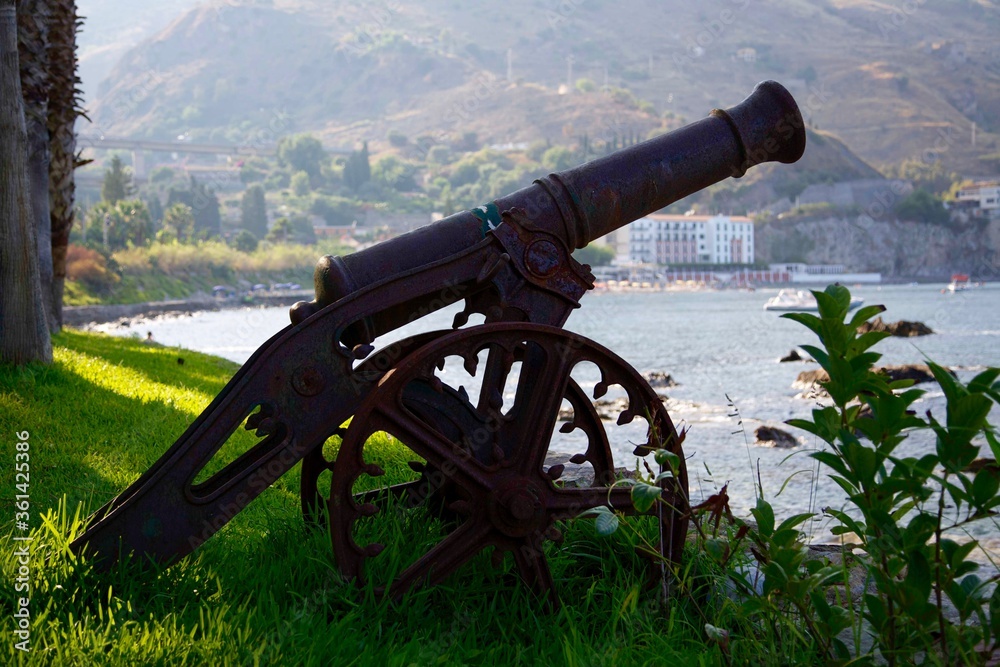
(152, 361)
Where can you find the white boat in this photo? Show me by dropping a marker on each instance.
(959, 283)
(801, 301)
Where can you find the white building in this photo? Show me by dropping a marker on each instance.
(690, 239)
(984, 195)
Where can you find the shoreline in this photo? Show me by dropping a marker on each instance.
(82, 317)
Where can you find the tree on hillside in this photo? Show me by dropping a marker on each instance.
(122, 223)
(929, 176)
(302, 152)
(254, 211)
(155, 210)
(300, 184)
(24, 332)
(558, 158)
(357, 169)
(244, 241)
(296, 229)
(63, 110)
(394, 173)
(595, 254)
(922, 206)
(178, 224)
(204, 205)
(335, 211)
(117, 183)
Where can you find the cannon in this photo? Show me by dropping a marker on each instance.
(482, 469)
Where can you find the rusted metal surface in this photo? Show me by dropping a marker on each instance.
(484, 461)
(509, 261)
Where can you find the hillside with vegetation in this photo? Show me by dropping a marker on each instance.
(377, 117)
(893, 81)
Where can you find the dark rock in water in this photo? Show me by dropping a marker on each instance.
(791, 356)
(659, 379)
(775, 437)
(901, 328)
(607, 409)
(916, 372)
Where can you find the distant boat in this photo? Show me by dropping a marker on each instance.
(959, 283)
(801, 301)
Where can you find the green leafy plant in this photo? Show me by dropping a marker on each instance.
(905, 522)
(907, 513)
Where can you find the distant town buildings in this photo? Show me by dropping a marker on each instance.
(687, 239)
(980, 199)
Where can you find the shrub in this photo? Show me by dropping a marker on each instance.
(90, 268)
(300, 184)
(244, 241)
(396, 138)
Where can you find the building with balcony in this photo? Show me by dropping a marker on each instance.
(688, 239)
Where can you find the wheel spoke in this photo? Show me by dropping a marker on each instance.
(534, 570)
(447, 556)
(494, 380)
(569, 503)
(540, 391)
(448, 457)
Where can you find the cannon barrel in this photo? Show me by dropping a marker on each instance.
(589, 201)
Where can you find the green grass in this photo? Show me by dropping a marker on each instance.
(265, 590)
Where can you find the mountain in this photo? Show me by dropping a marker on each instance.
(112, 27)
(895, 81)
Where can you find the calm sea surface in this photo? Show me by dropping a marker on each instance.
(715, 344)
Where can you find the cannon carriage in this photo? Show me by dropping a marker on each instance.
(480, 459)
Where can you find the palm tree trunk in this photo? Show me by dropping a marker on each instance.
(64, 109)
(24, 334)
(32, 32)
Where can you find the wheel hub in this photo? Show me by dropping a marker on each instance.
(516, 508)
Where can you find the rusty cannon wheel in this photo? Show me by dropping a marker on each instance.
(487, 476)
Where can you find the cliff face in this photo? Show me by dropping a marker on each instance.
(894, 248)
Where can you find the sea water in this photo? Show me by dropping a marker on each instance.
(723, 349)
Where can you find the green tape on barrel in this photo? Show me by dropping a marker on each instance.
(489, 215)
